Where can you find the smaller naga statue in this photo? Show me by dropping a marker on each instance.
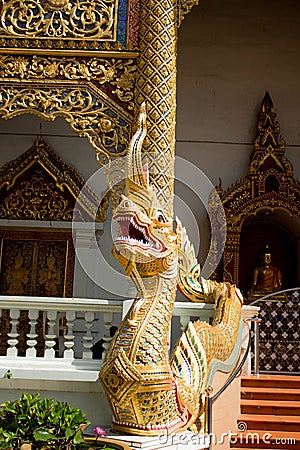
(149, 391)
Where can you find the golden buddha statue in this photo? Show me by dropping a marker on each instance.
(266, 277)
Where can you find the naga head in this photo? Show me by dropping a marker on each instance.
(145, 241)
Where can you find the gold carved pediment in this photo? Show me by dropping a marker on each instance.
(269, 182)
(269, 145)
(39, 185)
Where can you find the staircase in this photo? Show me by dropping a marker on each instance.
(270, 413)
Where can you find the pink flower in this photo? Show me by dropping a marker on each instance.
(99, 432)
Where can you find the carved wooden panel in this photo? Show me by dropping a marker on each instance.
(36, 266)
(34, 263)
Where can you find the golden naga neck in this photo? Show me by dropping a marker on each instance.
(136, 372)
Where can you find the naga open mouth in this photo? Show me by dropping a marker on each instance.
(135, 234)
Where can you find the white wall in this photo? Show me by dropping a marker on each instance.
(229, 54)
(18, 134)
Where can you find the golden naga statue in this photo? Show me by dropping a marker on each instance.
(267, 278)
(148, 391)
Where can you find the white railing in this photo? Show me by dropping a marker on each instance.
(70, 329)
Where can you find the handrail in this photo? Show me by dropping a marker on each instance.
(233, 375)
(265, 297)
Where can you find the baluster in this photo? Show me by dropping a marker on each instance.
(32, 335)
(12, 352)
(88, 338)
(107, 317)
(184, 320)
(51, 335)
(69, 337)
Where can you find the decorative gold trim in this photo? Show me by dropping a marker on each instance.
(100, 70)
(66, 264)
(122, 54)
(185, 7)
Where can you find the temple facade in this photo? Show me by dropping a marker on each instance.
(222, 91)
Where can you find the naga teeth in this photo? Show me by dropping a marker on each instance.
(125, 219)
(146, 241)
(137, 241)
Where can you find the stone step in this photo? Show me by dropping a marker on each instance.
(269, 422)
(268, 381)
(258, 439)
(282, 408)
(272, 393)
(270, 413)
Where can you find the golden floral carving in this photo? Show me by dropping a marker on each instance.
(93, 19)
(89, 116)
(117, 72)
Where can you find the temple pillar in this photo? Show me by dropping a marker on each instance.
(156, 83)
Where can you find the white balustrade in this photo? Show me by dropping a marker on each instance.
(73, 313)
(81, 328)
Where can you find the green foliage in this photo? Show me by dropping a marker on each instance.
(45, 423)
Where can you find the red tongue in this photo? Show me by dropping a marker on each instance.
(124, 225)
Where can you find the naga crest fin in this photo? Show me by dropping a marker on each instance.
(137, 174)
(190, 282)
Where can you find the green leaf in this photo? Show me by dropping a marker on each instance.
(78, 437)
(44, 435)
(69, 432)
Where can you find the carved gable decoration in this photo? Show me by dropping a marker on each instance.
(59, 22)
(268, 165)
(269, 182)
(269, 186)
(39, 185)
